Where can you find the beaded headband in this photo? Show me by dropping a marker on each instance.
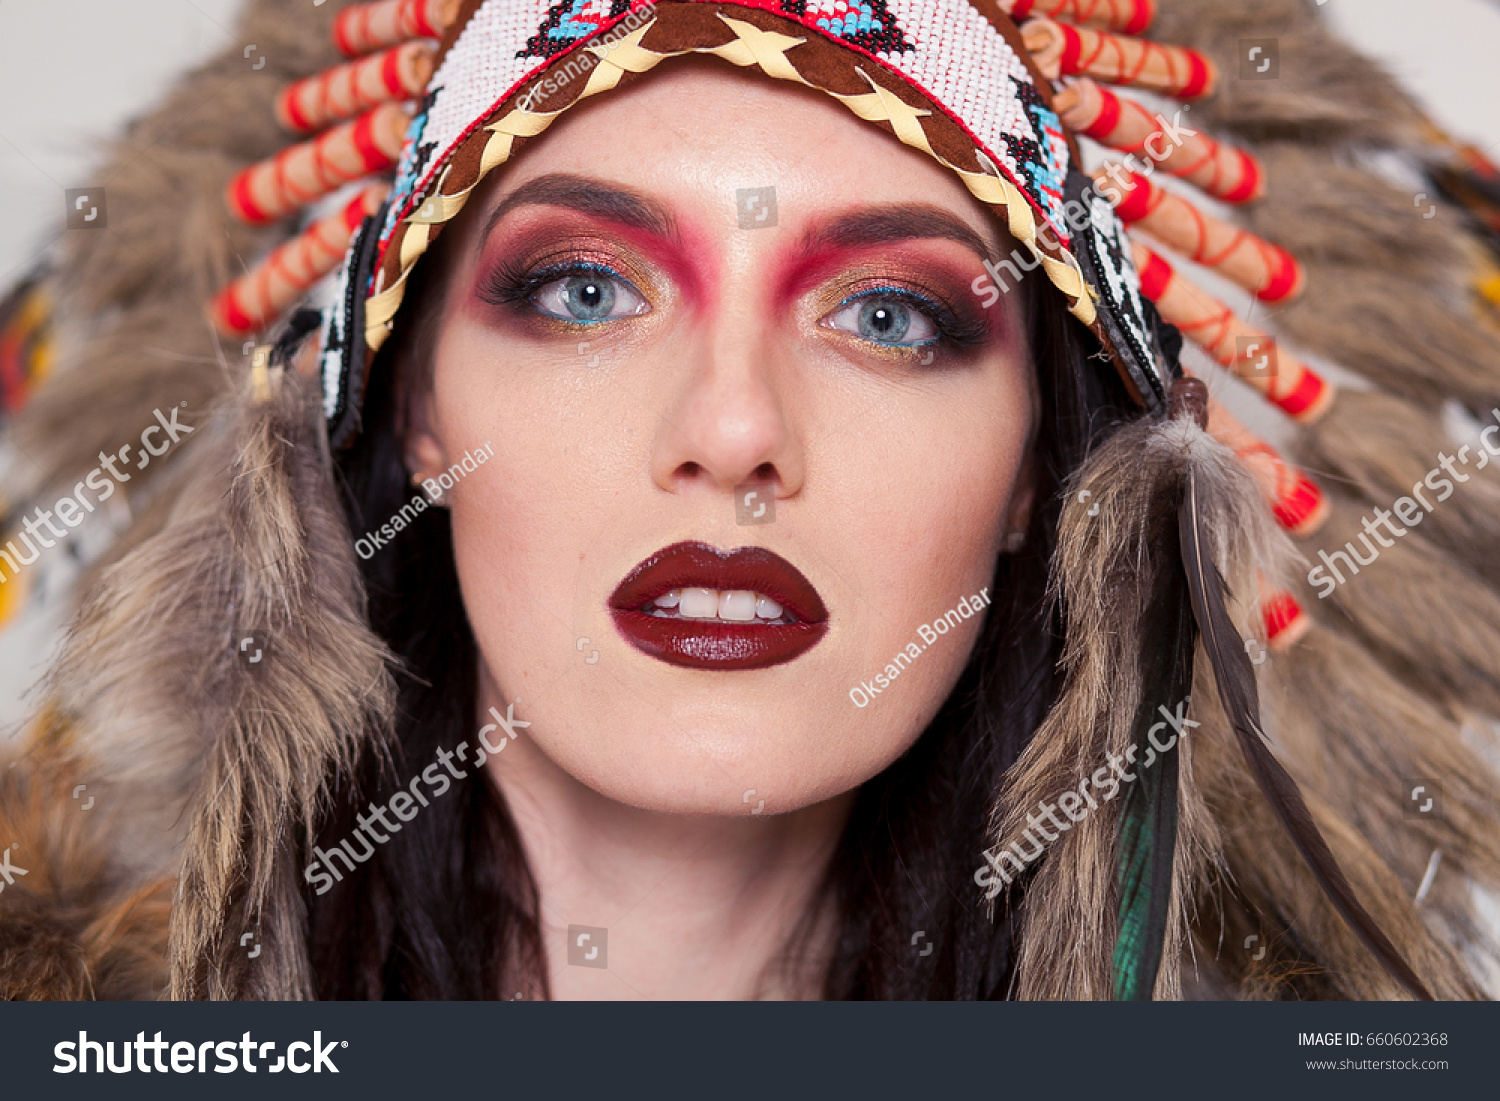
(442, 92)
(947, 77)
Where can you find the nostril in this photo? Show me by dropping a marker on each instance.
(765, 472)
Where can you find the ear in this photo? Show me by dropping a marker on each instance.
(1018, 512)
(422, 446)
(1022, 497)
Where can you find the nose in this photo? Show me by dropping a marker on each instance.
(728, 422)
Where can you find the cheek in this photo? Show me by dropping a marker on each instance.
(919, 516)
(524, 523)
(923, 498)
(533, 532)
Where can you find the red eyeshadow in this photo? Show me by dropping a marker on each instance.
(688, 260)
(797, 272)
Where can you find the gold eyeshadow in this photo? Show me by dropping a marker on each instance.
(961, 325)
(532, 260)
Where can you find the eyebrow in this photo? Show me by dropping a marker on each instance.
(883, 225)
(604, 200)
(887, 225)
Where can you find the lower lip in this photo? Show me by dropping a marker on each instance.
(715, 644)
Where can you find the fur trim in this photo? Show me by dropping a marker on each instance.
(190, 732)
(1360, 751)
(1398, 336)
(1104, 574)
(1342, 220)
(208, 773)
(74, 924)
(1267, 892)
(1326, 92)
(1382, 447)
(1351, 725)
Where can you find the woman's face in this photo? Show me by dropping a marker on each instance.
(713, 314)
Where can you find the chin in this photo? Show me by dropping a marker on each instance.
(717, 761)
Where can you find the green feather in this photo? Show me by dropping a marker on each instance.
(1148, 813)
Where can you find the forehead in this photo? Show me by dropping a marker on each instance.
(703, 137)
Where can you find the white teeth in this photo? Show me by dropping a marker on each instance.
(733, 605)
(738, 605)
(699, 604)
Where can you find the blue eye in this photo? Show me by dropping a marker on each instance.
(882, 317)
(588, 296)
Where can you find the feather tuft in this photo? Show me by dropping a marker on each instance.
(1234, 675)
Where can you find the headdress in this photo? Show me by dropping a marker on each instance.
(436, 94)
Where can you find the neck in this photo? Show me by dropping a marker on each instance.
(695, 907)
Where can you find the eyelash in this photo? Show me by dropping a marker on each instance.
(515, 284)
(952, 330)
(508, 284)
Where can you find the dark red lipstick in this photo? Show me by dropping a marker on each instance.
(648, 606)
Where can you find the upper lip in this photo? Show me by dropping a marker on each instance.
(698, 565)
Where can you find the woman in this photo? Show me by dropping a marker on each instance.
(696, 637)
(634, 358)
